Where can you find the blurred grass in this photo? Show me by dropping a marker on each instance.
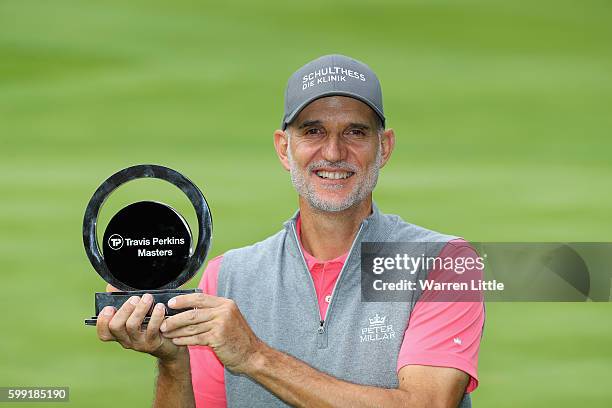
(502, 111)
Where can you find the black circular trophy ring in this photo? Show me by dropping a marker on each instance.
(147, 245)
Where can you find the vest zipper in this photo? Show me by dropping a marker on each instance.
(321, 336)
(323, 320)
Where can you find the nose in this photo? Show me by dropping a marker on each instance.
(334, 149)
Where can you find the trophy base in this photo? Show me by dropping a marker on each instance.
(117, 299)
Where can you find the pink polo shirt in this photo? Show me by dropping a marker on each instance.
(443, 334)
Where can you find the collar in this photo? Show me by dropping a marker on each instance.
(311, 261)
(372, 227)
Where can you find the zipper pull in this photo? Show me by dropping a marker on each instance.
(322, 336)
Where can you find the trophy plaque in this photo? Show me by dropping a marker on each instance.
(147, 245)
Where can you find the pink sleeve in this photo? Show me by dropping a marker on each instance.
(444, 333)
(207, 375)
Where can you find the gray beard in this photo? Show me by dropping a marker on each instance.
(359, 193)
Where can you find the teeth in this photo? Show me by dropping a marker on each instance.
(334, 175)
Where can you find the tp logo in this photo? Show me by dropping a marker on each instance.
(115, 241)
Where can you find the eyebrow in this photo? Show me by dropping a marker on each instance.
(309, 123)
(362, 126)
(359, 126)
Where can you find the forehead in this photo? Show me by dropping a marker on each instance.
(337, 110)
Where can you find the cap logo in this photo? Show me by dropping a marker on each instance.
(329, 74)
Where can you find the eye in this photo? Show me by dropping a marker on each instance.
(314, 131)
(356, 132)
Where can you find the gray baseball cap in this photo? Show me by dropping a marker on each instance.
(332, 75)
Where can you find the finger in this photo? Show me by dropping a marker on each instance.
(111, 288)
(102, 321)
(192, 300)
(190, 330)
(157, 318)
(198, 340)
(187, 318)
(117, 323)
(133, 325)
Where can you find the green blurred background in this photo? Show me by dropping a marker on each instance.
(502, 115)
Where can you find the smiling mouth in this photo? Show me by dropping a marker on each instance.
(334, 175)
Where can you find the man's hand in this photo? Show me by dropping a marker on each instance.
(215, 322)
(125, 327)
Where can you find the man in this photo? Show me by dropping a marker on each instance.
(279, 322)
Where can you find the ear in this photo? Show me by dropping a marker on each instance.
(281, 144)
(387, 142)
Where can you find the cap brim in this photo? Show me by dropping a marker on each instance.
(297, 110)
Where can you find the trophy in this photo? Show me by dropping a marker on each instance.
(147, 245)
